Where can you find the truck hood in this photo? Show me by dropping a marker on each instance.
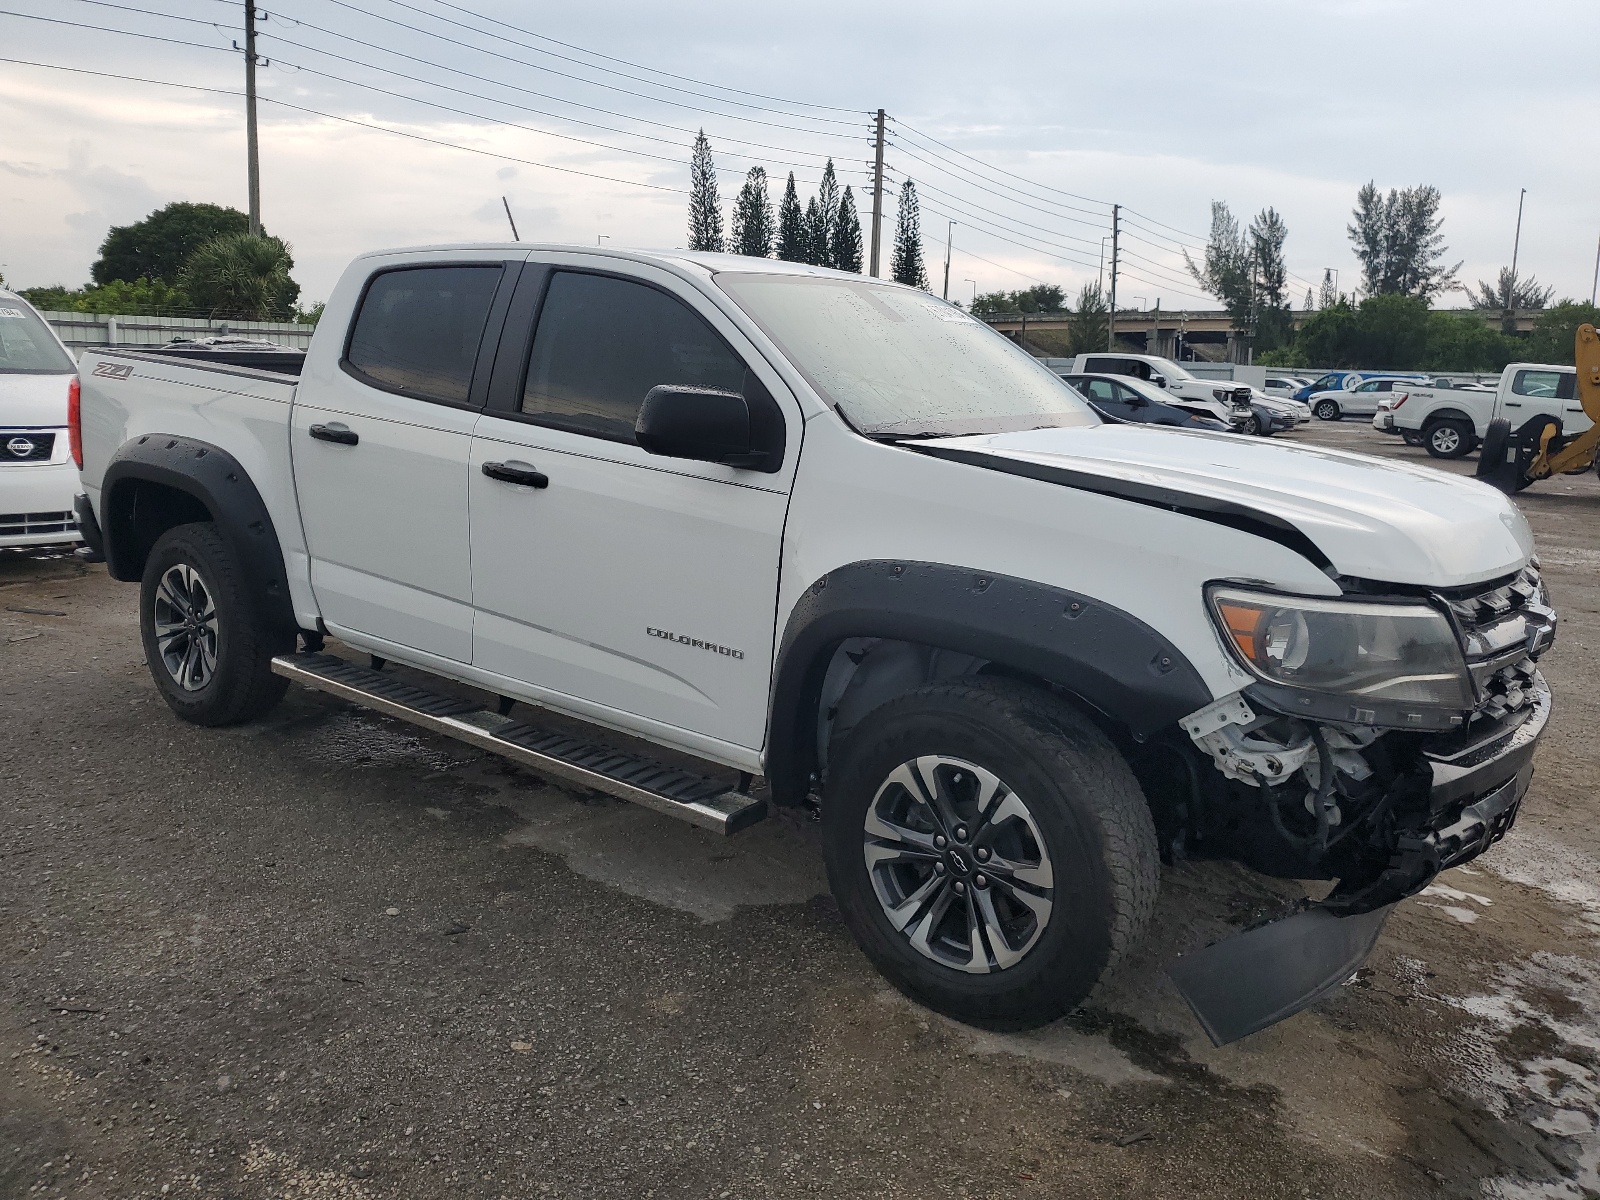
(1367, 517)
(33, 401)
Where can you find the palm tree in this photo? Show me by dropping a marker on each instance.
(242, 275)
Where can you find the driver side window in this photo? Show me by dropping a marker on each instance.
(602, 343)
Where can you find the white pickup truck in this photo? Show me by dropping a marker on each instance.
(1452, 422)
(826, 530)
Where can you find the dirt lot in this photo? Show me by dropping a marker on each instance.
(322, 956)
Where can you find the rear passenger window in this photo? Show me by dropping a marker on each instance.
(418, 330)
(603, 343)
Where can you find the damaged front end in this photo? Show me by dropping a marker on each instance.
(1379, 791)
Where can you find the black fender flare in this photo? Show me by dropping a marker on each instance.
(1104, 656)
(212, 477)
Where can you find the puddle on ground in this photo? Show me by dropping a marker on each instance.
(1532, 1055)
(1568, 875)
(357, 739)
(662, 859)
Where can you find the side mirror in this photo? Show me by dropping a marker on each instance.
(1159, 380)
(703, 424)
(1138, 401)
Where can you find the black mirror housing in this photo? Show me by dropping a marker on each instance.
(702, 424)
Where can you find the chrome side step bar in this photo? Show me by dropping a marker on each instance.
(689, 797)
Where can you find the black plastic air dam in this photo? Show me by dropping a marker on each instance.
(1257, 978)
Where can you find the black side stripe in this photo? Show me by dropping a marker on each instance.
(1219, 512)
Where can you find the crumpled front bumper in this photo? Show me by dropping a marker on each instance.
(1254, 979)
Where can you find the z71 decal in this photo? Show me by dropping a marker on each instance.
(113, 371)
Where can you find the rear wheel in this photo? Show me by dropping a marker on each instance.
(1448, 438)
(207, 647)
(1326, 410)
(989, 848)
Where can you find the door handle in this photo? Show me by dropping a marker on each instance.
(335, 433)
(516, 472)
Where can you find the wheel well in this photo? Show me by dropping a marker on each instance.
(864, 673)
(1445, 414)
(137, 513)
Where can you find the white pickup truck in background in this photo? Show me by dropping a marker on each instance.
(1272, 414)
(1452, 422)
(827, 530)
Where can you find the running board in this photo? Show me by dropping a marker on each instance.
(677, 793)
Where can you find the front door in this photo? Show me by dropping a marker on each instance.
(381, 459)
(635, 589)
(1544, 391)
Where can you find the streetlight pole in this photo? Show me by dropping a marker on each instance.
(252, 148)
(1102, 284)
(1517, 244)
(949, 239)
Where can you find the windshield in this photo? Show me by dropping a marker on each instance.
(1170, 369)
(899, 363)
(26, 343)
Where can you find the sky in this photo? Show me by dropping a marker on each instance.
(1023, 126)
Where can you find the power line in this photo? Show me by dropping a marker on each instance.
(1006, 192)
(461, 91)
(625, 62)
(434, 104)
(416, 137)
(554, 71)
(1001, 170)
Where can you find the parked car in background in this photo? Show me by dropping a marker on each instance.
(1451, 422)
(1284, 385)
(1359, 401)
(38, 387)
(1177, 381)
(1124, 399)
(1344, 381)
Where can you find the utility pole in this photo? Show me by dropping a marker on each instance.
(514, 235)
(877, 191)
(1111, 317)
(252, 150)
(949, 237)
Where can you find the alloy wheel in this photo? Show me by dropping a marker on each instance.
(1446, 439)
(185, 618)
(1327, 411)
(958, 864)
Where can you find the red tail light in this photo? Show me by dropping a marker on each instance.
(1399, 399)
(75, 421)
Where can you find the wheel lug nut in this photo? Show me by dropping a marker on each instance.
(961, 888)
(961, 833)
(981, 881)
(940, 842)
(938, 868)
(983, 855)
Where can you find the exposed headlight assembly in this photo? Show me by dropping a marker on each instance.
(1378, 657)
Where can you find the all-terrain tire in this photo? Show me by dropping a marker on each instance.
(229, 678)
(1087, 808)
(1448, 438)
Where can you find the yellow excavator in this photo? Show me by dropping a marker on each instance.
(1511, 460)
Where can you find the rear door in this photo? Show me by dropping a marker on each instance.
(381, 448)
(636, 589)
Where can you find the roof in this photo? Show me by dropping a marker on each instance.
(709, 264)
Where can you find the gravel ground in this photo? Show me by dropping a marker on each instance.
(324, 956)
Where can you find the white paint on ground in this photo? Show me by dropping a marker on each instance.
(1535, 860)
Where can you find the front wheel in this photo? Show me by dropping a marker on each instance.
(989, 848)
(1326, 410)
(1251, 425)
(207, 647)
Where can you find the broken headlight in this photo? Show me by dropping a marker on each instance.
(1387, 654)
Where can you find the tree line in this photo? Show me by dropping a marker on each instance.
(826, 232)
(186, 260)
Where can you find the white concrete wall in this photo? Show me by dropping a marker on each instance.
(83, 331)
